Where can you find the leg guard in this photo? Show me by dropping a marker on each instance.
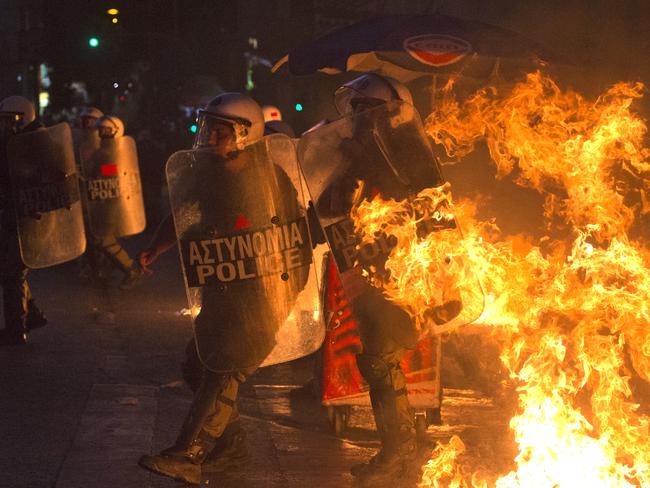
(225, 410)
(183, 460)
(116, 253)
(213, 408)
(203, 407)
(394, 419)
(388, 395)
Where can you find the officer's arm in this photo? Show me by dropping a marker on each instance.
(163, 240)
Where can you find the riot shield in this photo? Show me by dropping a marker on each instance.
(246, 254)
(388, 219)
(86, 141)
(111, 188)
(46, 196)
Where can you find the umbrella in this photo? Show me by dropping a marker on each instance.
(406, 47)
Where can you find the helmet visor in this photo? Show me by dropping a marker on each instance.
(348, 101)
(106, 131)
(213, 131)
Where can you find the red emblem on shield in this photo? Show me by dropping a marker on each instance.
(109, 169)
(242, 222)
(437, 49)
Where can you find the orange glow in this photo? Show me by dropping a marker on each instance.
(571, 313)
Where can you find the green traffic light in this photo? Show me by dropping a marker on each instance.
(193, 129)
(93, 42)
(298, 107)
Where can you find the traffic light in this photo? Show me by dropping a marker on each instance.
(298, 107)
(93, 42)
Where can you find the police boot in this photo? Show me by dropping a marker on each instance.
(181, 462)
(132, 277)
(395, 422)
(230, 450)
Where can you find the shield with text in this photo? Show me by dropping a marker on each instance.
(246, 254)
(46, 196)
(387, 215)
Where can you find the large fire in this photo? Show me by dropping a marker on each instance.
(427, 275)
(571, 311)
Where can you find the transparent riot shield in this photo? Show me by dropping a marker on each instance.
(46, 196)
(111, 187)
(246, 254)
(388, 219)
(85, 141)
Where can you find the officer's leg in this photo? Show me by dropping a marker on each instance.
(95, 262)
(212, 414)
(121, 259)
(386, 331)
(15, 292)
(393, 415)
(116, 253)
(230, 448)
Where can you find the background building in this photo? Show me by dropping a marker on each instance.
(154, 62)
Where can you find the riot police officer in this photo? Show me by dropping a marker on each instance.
(17, 115)
(88, 117)
(273, 123)
(239, 317)
(106, 247)
(93, 263)
(372, 107)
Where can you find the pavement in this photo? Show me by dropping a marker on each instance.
(100, 385)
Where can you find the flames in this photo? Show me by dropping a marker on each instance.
(571, 311)
(426, 275)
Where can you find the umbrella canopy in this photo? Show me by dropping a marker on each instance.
(406, 47)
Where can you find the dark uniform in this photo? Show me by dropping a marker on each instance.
(20, 312)
(386, 330)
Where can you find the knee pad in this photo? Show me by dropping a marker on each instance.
(375, 370)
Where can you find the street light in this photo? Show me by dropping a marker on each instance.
(112, 11)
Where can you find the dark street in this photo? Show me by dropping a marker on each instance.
(100, 385)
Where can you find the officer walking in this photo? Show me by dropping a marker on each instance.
(104, 246)
(94, 264)
(360, 168)
(17, 115)
(241, 311)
